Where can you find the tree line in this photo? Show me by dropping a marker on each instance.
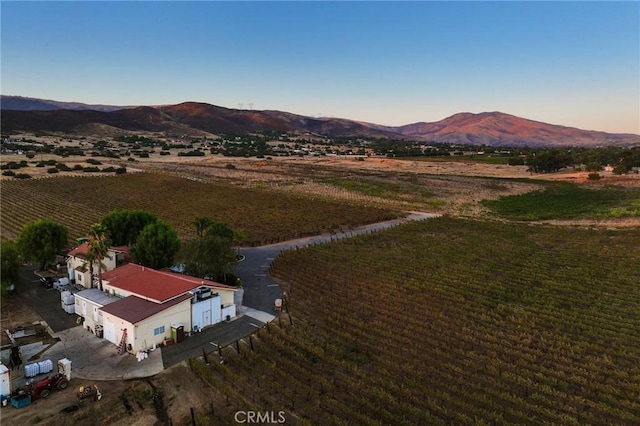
(152, 243)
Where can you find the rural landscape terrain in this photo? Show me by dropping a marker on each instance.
(519, 304)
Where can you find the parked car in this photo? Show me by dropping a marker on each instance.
(47, 281)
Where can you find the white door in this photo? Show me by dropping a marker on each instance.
(206, 318)
(95, 314)
(110, 332)
(216, 310)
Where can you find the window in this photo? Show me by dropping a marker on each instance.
(158, 330)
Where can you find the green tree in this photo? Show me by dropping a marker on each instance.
(10, 265)
(211, 253)
(124, 226)
(546, 161)
(42, 240)
(156, 245)
(97, 249)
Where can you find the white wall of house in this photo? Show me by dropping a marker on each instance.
(78, 269)
(114, 327)
(206, 312)
(150, 331)
(115, 291)
(89, 311)
(228, 310)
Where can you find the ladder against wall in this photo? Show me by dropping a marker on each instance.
(123, 341)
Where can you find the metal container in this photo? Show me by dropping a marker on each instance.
(21, 401)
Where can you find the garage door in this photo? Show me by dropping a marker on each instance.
(110, 331)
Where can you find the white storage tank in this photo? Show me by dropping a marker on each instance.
(45, 366)
(31, 370)
(67, 298)
(5, 380)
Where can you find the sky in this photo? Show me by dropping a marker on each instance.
(391, 63)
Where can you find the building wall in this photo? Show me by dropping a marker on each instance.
(141, 335)
(89, 311)
(206, 312)
(178, 314)
(226, 296)
(84, 278)
(118, 325)
(115, 291)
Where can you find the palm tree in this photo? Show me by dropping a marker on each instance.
(202, 224)
(238, 237)
(97, 249)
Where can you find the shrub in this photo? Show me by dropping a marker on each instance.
(195, 153)
(94, 162)
(22, 176)
(77, 167)
(8, 173)
(594, 176)
(40, 164)
(121, 170)
(52, 170)
(620, 169)
(91, 170)
(109, 169)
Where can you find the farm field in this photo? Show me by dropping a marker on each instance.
(265, 215)
(467, 319)
(449, 321)
(569, 201)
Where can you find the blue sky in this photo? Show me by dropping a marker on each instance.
(392, 63)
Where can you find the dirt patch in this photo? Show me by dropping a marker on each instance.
(16, 312)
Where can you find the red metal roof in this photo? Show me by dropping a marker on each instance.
(80, 250)
(84, 247)
(134, 309)
(158, 286)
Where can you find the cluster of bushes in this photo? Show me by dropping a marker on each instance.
(12, 165)
(194, 153)
(16, 175)
(110, 169)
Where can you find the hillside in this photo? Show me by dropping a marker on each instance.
(487, 128)
(496, 128)
(22, 103)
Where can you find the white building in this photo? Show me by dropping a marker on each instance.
(154, 306)
(78, 267)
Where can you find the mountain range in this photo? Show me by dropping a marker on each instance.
(20, 114)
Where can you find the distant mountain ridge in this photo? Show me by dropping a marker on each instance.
(487, 128)
(21, 103)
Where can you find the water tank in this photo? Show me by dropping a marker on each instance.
(31, 370)
(45, 366)
(5, 381)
